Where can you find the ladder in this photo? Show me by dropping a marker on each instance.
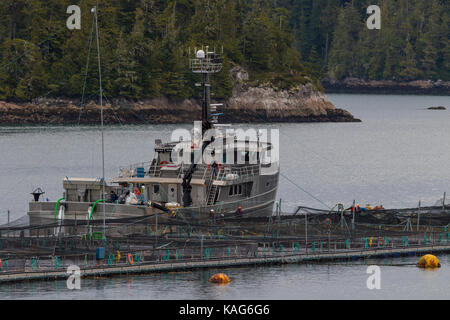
(157, 172)
(212, 195)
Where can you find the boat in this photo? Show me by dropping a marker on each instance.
(240, 177)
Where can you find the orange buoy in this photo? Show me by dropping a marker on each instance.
(130, 259)
(219, 278)
(429, 261)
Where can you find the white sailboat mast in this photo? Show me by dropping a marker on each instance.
(102, 125)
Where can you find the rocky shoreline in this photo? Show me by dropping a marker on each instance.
(248, 104)
(155, 111)
(355, 85)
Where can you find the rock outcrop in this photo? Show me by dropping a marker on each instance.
(302, 103)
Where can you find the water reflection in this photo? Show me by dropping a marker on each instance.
(394, 157)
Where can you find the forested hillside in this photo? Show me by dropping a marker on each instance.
(145, 44)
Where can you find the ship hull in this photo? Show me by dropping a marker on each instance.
(43, 213)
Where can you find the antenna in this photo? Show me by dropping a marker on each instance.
(206, 63)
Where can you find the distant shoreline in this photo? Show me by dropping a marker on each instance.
(63, 112)
(355, 86)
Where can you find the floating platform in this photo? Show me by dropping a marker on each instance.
(265, 259)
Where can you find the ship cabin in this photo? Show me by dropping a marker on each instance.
(229, 175)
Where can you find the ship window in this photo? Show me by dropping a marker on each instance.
(156, 188)
(235, 190)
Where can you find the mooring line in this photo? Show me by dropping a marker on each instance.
(377, 264)
(311, 195)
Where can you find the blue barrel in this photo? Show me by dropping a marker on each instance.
(100, 253)
(140, 172)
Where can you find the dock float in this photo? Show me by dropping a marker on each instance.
(287, 258)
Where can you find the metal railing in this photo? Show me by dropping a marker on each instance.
(131, 170)
(225, 173)
(238, 173)
(222, 252)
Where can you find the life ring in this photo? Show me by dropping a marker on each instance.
(327, 221)
(163, 163)
(380, 241)
(130, 259)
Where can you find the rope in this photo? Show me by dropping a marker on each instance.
(26, 52)
(87, 69)
(115, 114)
(311, 195)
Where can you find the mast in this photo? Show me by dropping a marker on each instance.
(101, 114)
(205, 63)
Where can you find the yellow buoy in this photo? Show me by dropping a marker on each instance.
(429, 261)
(219, 278)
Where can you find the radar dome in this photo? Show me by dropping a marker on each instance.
(200, 54)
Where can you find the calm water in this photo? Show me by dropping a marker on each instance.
(289, 282)
(397, 156)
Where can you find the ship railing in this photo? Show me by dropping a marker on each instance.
(235, 173)
(201, 172)
(131, 170)
(207, 65)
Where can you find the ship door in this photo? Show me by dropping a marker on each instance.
(172, 194)
(156, 192)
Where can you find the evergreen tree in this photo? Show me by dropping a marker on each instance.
(145, 43)
(344, 60)
(409, 69)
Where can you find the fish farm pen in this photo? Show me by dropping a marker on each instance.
(162, 242)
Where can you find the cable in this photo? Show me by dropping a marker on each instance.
(87, 69)
(23, 54)
(115, 115)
